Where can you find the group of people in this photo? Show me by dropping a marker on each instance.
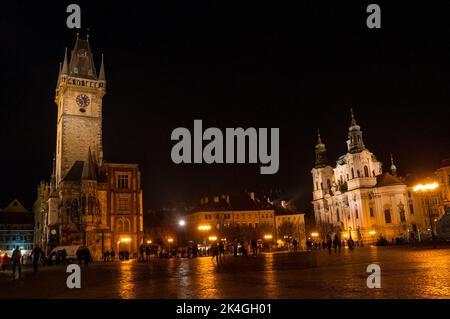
(16, 260)
(329, 244)
(109, 255)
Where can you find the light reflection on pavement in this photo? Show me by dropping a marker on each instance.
(405, 273)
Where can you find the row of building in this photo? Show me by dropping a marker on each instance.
(92, 202)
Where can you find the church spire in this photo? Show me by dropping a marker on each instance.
(353, 122)
(321, 152)
(89, 168)
(393, 167)
(81, 61)
(65, 66)
(355, 142)
(101, 75)
(53, 177)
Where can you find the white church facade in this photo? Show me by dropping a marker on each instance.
(357, 199)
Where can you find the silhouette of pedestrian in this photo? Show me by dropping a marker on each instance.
(36, 255)
(16, 256)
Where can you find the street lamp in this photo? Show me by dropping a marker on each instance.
(426, 189)
(182, 222)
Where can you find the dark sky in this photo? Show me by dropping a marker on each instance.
(264, 65)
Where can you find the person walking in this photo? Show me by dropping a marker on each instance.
(86, 256)
(254, 247)
(112, 254)
(79, 254)
(63, 256)
(16, 256)
(329, 243)
(337, 243)
(36, 255)
(295, 243)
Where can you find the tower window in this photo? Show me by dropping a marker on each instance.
(411, 209)
(122, 181)
(371, 212)
(356, 214)
(353, 173)
(366, 171)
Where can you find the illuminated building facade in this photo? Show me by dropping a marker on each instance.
(356, 198)
(242, 217)
(16, 228)
(88, 201)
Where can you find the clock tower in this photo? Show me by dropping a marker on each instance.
(79, 94)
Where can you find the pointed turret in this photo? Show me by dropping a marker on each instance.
(393, 167)
(81, 61)
(53, 177)
(89, 168)
(65, 66)
(355, 142)
(101, 75)
(321, 152)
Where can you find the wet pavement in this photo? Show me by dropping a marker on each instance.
(405, 273)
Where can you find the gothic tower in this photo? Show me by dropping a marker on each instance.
(79, 94)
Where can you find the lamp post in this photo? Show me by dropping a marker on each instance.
(182, 225)
(427, 189)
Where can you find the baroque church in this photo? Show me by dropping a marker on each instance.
(88, 201)
(357, 199)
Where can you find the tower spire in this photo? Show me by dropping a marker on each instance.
(101, 75)
(319, 140)
(353, 123)
(321, 152)
(393, 167)
(89, 169)
(65, 66)
(53, 177)
(355, 142)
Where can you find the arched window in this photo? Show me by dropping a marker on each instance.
(366, 171)
(123, 225)
(353, 173)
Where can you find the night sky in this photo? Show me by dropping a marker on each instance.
(298, 68)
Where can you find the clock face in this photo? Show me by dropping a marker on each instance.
(53, 231)
(82, 100)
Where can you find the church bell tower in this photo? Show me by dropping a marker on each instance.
(79, 94)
